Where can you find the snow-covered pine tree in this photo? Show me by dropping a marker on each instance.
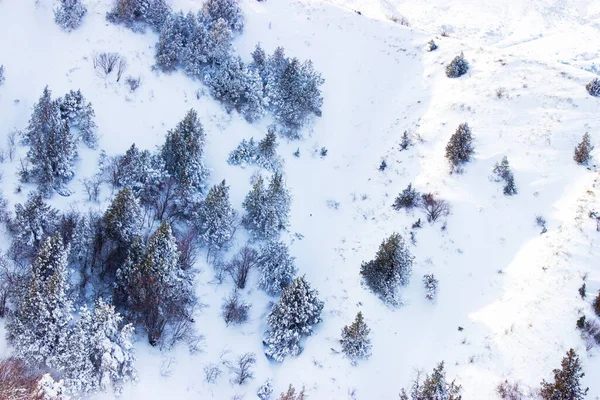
(69, 14)
(228, 10)
(277, 268)
(135, 13)
(436, 387)
(355, 340)
(244, 153)
(174, 38)
(122, 219)
(38, 329)
(457, 67)
(215, 219)
(582, 151)
(219, 47)
(194, 55)
(227, 82)
(593, 87)
(267, 152)
(265, 391)
(510, 188)
(34, 222)
(80, 115)
(407, 199)
(293, 318)
(296, 95)
(566, 385)
(280, 201)
(183, 153)
(502, 172)
(52, 150)
(431, 284)
(254, 105)
(596, 305)
(460, 147)
(142, 172)
(390, 269)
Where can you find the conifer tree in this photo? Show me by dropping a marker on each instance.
(183, 153)
(457, 67)
(596, 305)
(293, 318)
(502, 172)
(33, 222)
(460, 147)
(122, 219)
(174, 38)
(435, 386)
(593, 87)
(407, 199)
(228, 10)
(566, 385)
(216, 219)
(355, 340)
(80, 115)
(390, 269)
(582, 151)
(277, 268)
(69, 14)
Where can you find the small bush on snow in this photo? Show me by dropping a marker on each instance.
(457, 67)
(593, 87)
(69, 14)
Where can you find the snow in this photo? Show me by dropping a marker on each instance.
(512, 290)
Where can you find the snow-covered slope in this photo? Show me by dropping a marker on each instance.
(512, 290)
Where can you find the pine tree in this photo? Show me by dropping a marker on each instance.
(431, 284)
(228, 10)
(435, 386)
(33, 222)
(277, 269)
(566, 385)
(245, 153)
(390, 269)
(267, 152)
(502, 172)
(355, 340)
(142, 172)
(227, 82)
(593, 87)
(80, 115)
(298, 310)
(174, 38)
(183, 152)
(457, 67)
(216, 219)
(38, 329)
(69, 14)
(596, 305)
(254, 105)
(510, 188)
(408, 199)
(122, 219)
(583, 150)
(460, 147)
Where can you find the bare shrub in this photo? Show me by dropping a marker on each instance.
(242, 369)
(509, 391)
(292, 395)
(17, 382)
(234, 310)
(212, 372)
(12, 144)
(92, 187)
(106, 61)
(122, 67)
(434, 208)
(134, 83)
(239, 268)
(188, 249)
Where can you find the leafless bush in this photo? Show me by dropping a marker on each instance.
(92, 187)
(212, 372)
(122, 67)
(242, 369)
(234, 310)
(292, 395)
(590, 332)
(434, 208)
(107, 61)
(188, 249)
(134, 83)
(509, 391)
(12, 144)
(24, 170)
(239, 268)
(17, 382)
(500, 92)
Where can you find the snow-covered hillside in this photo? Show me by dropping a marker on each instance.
(511, 290)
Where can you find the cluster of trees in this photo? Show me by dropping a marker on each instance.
(391, 269)
(433, 207)
(201, 45)
(502, 172)
(433, 387)
(69, 15)
(54, 129)
(263, 153)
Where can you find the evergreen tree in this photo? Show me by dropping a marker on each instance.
(34, 222)
(596, 305)
(593, 87)
(79, 115)
(227, 82)
(267, 152)
(355, 340)
(38, 328)
(267, 210)
(122, 219)
(245, 153)
(408, 199)
(510, 188)
(174, 37)
(135, 13)
(566, 385)
(194, 56)
(183, 152)
(298, 310)
(431, 284)
(582, 151)
(254, 105)
(277, 269)
(52, 150)
(390, 269)
(228, 10)
(457, 67)
(460, 147)
(216, 219)
(142, 172)
(435, 386)
(69, 14)
(502, 172)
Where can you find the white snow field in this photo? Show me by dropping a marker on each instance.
(512, 290)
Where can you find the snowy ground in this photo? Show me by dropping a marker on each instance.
(513, 290)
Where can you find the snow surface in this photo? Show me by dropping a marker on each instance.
(513, 290)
